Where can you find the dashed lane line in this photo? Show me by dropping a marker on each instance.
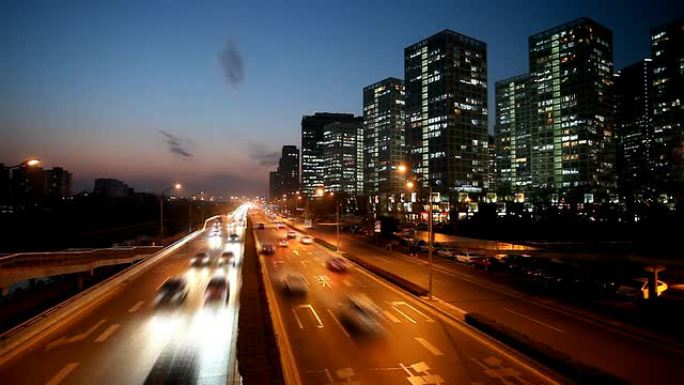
(62, 374)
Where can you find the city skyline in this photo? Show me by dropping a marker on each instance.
(149, 131)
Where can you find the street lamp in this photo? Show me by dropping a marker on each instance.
(176, 186)
(337, 215)
(28, 162)
(410, 184)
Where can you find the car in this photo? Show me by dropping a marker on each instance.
(487, 263)
(217, 290)
(337, 264)
(467, 258)
(227, 257)
(637, 288)
(306, 239)
(268, 249)
(233, 237)
(361, 316)
(261, 226)
(282, 243)
(173, 291)
(280, 225)
(292, 234)
(295, 284)
(446, 252)
(201, 259)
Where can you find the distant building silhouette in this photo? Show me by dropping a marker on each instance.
(111, 188)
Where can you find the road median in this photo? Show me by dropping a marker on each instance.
(562, 363)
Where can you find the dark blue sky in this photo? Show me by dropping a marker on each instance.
(91, 85)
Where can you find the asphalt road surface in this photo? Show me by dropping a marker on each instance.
(419, 346)
(633, 356)
(128, 339)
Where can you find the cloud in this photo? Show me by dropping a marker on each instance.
(175, 144)
(231, 64)
(262, 155)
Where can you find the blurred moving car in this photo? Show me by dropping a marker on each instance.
(282, 243)
(217, 290)
(268, 249)
(261, 226)
(201, 259)
(295, 284)
(280, 225)
(306, 239)
(359, 314)
(292, 234)
(233, 237)
(227, 257)
(337, 264)
(637, 288)
(173, 291)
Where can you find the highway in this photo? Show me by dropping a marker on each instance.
(419, 345)
(609, 345)
(128, 339)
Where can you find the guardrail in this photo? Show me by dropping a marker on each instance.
(51, 257)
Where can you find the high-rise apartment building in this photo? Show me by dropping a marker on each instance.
(285, 179)
(343, 156)
(634, 130)
(58, 183)
(384, 140)
(446, 113)
(312, 148)
(572, 138)
(512, 135)
(667, 53)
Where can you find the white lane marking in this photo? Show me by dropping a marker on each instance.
(338, 323)
(105, 334)
(76, 338)
(135, 307)
(429, 346)
(391, 317)
(402, 303)
(534, 320)
(61, 375)
(295, 252)
(324, 280)
(299, 322)
(310, 307)
(404, 314)
(347, 283)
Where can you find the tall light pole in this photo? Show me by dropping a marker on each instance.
(177, 186)
(337, 215)
(410, 185)
(189, 208)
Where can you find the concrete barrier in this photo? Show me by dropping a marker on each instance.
(287, 362)
(24, 335)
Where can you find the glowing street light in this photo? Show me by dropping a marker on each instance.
(32, 162)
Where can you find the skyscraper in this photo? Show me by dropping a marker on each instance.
(634, 130)
(343, 156)
(667, 53)
(58, 183)
(383, 127)
(288, 169)
(312, 149)
(446, 113)
(512, 135)
(571, 69)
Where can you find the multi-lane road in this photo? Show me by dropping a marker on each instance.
(419, 345)
(603, 343)
(127, 339)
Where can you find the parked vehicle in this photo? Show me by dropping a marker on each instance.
(467, 258)
(446, 252)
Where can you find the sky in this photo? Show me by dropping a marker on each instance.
(205, 93)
